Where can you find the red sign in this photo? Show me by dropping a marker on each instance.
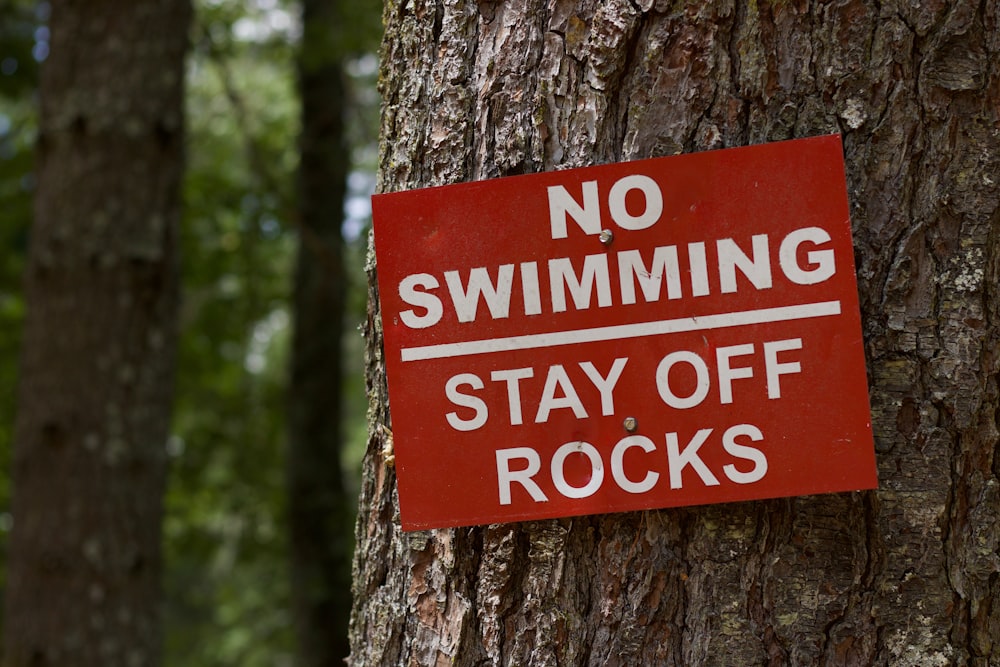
(666, 332)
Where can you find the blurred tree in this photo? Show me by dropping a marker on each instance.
(97, 360)
(321, 513)
(227, 601)
(318, 508)
(226, 539)
(226, 531)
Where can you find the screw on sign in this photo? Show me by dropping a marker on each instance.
(647, 334)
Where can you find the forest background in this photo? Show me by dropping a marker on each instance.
(892, 577)
(226, 541)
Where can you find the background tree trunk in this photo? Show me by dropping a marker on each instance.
(98, 355)
(319, 510)
(907, 575)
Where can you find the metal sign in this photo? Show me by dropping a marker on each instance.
(665, 332)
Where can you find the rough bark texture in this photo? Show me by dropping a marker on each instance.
(319, 510)
(96, 376)
(907, 575)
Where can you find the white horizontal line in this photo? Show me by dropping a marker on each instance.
(617, 332)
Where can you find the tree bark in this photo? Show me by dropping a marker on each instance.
(320, 513)
(906, 575)
(96, 375)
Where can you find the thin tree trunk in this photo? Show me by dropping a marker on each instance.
(97, 362)
(907, 575)
(320, 513)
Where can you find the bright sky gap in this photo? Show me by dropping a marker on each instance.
(617, 332)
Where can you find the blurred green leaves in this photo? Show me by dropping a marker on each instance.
(22, 39)
(225, 545)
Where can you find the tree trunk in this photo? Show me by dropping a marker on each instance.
(97, 361)
(907, 575)
(320, 513)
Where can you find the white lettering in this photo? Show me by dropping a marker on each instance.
(529, 287)
(744, 452)
(562, 204)
(408, 293)
(699, 269)
(557, 378)
(731, 257)
(727, 374)
(605, 385)
(823, 260)
(678, 460)
(632, 268)
(618, 464)
(582, 284)
(595, 274)
(654, 202)
(466, 300)
(506, 477)
(559, 474)
(513, 377)
(775, 369)
(587, 476)
(663, 380)
(466, 401)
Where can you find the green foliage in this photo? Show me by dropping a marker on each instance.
(227, 565)
(226, 577)
(341, 30)
(20, 34)
(23, 44)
